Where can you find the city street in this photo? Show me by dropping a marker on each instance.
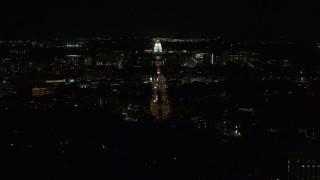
(159, 104)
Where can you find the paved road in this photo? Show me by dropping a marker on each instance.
(159, 104)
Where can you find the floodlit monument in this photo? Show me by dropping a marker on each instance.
(157, 47)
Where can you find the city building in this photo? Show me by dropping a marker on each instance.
(304, 165)
(157, 47)
(41, 91)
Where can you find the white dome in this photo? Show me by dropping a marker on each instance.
(157, 47)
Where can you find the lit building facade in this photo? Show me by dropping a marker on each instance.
(304, 165)
(41, 91)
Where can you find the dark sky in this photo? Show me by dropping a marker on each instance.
(198, 18)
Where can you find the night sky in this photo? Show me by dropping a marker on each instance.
(252, 18)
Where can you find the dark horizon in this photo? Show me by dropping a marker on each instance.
(229, 37)
(36, 19)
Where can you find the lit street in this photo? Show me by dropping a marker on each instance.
(159, 104)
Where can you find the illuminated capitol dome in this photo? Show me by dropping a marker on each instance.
(157, 47)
